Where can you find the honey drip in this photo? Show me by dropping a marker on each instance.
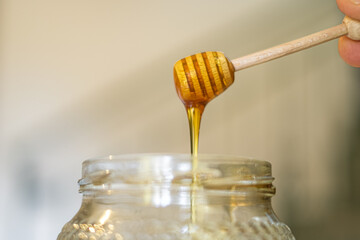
(199, 79)
(194, 114)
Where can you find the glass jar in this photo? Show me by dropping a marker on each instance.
(162, 197)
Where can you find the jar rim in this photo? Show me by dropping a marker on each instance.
(181, 156)
(163, 169)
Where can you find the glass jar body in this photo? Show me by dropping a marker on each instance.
(156, 197)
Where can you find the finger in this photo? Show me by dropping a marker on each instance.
(350, 8)
(350, 51)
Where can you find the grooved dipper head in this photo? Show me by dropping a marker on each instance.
(201, 77)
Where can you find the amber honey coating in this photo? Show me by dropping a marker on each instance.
(201, 77)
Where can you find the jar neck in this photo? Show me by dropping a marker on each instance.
(161, 180)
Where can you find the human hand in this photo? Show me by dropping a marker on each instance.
(349, 49)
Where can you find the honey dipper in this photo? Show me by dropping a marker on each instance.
(201, 77)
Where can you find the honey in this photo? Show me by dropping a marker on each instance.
(194, 114)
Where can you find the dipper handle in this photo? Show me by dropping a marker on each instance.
(349, 27)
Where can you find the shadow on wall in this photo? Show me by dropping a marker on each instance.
(343, 216)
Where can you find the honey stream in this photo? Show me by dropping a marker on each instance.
(194, 114)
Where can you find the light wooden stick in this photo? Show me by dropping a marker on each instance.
(294, 46)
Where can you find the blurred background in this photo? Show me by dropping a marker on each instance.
(88, 78)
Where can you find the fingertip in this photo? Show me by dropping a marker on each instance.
(350, 8)
(349, 50)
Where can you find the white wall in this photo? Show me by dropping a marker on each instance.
(86, 78)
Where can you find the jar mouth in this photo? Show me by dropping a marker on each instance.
(214, 172)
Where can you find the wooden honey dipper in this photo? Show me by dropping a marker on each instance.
(201, 77)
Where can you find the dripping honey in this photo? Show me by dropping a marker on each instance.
(198, 79)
